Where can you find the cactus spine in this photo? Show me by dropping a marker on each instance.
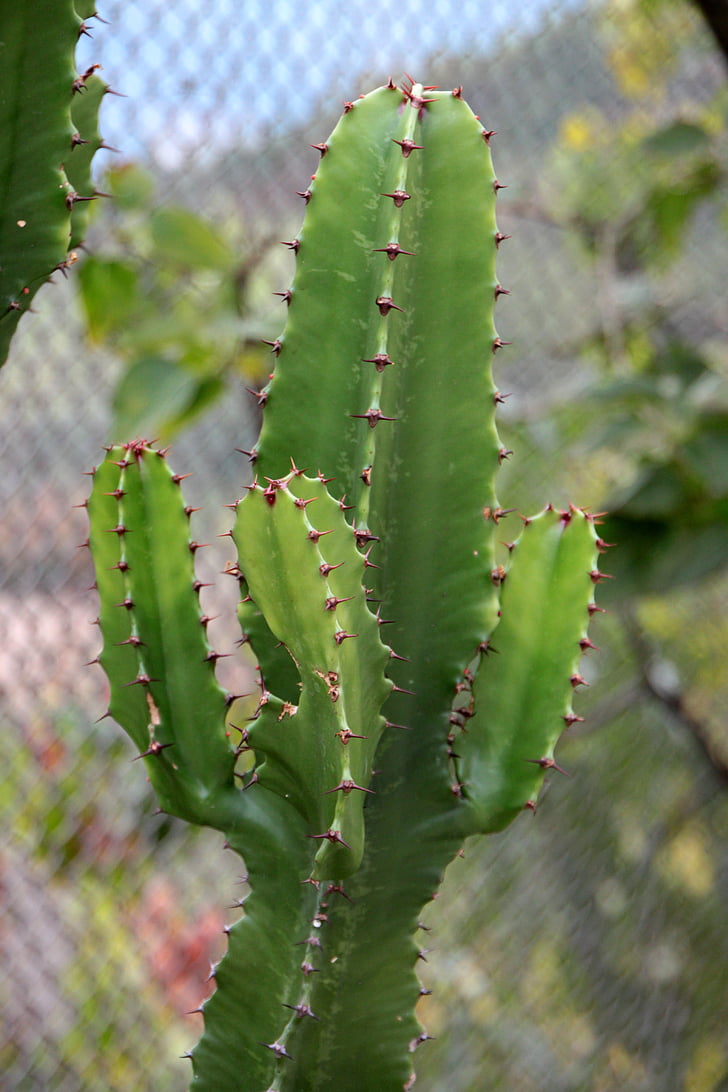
(48, 136)
(373, 512)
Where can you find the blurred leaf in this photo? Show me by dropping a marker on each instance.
(678, 138)
(153, 392)
(190, 242)
(131, 185)
(109, 295)
(707, 455)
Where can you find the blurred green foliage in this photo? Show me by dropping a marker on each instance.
(169, 294)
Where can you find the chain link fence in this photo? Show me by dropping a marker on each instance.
(585, 948)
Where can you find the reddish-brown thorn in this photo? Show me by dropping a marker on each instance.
(322, 148)
(498, 185)
(341, 635)
(315, 535)
(499, 290)
(373, 416)
(498, 343)
(402, 727)
(571, 718)
(379, 360)
(487, 134)
(293, 245)
(392, 250)
(276, 346)
(346, 734)
(285, 296)
(325, 568)
(500, 238)
(346, 787)
(408, 146)
(547, 763)
(333, 836)
(260, 396)
(302, 1010)
(332, 602)
(278, 1049)
(386, 304)
(154, 749)
(578, 680)
(399, 197)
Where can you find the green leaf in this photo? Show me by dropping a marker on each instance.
(190, 242)
(676, 139)
(153, 394)
(131, 186)
(109, 296)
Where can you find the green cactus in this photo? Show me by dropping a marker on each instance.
(373, 511)
(48, 136)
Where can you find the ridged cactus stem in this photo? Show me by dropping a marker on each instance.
(387, 729)
(48, 136)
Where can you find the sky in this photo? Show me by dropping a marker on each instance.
(207, 77)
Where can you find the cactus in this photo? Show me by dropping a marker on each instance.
(48, 136)
(369, 758)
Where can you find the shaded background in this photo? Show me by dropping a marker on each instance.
(585, 948)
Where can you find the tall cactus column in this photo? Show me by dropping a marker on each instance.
(388, 729)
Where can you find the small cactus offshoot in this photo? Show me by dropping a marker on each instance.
(413, 685)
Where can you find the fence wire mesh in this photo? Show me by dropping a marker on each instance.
(584, 949)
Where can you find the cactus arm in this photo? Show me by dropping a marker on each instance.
(37, 43)
(517, 709)
(307, 580)
(171, 663)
